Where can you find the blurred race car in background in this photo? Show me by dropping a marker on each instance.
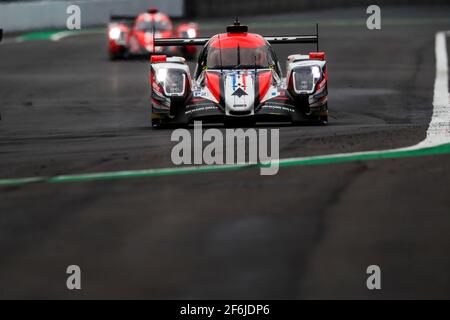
(134, 35)
(239, 80)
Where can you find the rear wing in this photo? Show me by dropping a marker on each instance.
(122, 17)
(179, 42)
(314, 38)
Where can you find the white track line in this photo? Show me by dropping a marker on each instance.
(64, 34)
(61, 35)
(439, 130)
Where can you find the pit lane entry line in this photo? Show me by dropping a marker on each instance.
(436, 142)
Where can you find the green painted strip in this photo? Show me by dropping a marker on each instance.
(21, 181)
(41, 35)
(47, 35)
(317, 160)
(365, 156)
(144, 173)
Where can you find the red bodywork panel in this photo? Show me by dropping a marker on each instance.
(145, 39)
(265, 79)
(213, 84)
(136, 40)
(160, 58)
(317, 55)
(233, 40)
(114, 46)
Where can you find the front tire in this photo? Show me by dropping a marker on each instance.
(157, 123)
(115, 56)
(119, 54)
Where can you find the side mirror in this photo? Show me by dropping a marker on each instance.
(1, 35)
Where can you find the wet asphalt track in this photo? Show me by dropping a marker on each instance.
(309, 232)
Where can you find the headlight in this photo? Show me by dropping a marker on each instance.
(191, 33)
(316, 73)
(173, 81)
(114, 33)
(306, 78)
(161, 75)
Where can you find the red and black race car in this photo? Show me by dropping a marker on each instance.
(239, 80)
(134, 35)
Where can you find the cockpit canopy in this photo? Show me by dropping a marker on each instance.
(240, 58)
(238, 51)
(156, 21)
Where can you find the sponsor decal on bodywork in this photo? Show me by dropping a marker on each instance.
(200, 108)
(279, 107)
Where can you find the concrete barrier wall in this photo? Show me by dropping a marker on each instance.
(25, 16)
(233, 8)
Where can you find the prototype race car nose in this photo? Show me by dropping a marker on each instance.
(239, 92)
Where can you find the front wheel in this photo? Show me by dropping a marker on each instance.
(118, 54)
(115, 56)
(157, 123)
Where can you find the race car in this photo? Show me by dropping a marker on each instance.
(130, 36)
(238, 79)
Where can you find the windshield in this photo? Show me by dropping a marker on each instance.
(233, 58)
(148, 26)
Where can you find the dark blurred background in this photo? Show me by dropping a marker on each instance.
(202, 8)
(30, 15)
(211, 8)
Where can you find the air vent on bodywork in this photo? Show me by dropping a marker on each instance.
(240, 113)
